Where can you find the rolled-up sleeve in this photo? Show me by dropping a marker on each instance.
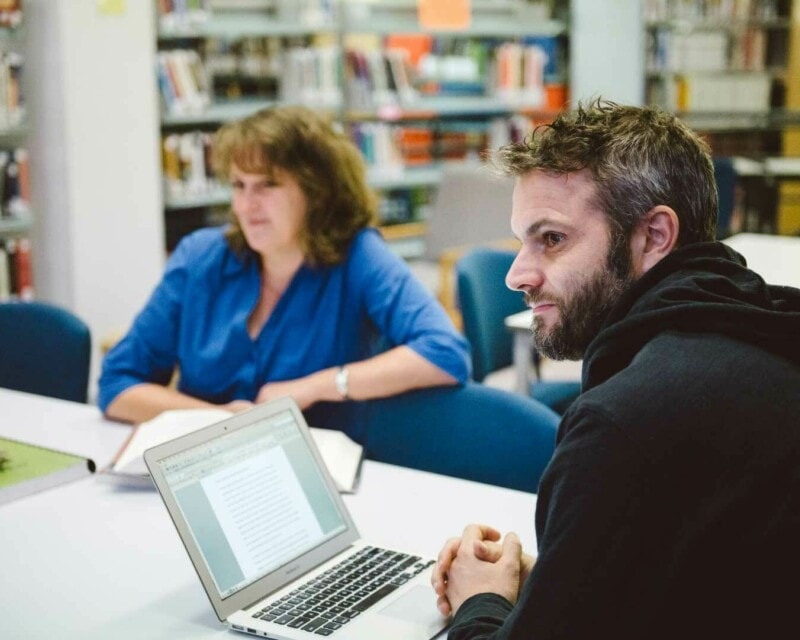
(404, 311)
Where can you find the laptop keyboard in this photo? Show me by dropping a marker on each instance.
(334, 598)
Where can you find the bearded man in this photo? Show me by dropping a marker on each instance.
(671, 507)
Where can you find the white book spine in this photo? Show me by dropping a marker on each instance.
(5, 284)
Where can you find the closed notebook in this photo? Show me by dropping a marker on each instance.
(29, 468)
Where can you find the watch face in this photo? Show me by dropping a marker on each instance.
(341, 382)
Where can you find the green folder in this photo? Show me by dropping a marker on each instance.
(29, 469)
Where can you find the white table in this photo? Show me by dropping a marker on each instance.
(89, 560)
(774, 258)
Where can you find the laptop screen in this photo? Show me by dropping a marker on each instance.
(253, 499)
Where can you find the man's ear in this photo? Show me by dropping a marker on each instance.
(654, 236)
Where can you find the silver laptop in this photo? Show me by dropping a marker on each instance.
(274, 546)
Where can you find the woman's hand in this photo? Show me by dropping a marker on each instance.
(237, 406)
(300, 390)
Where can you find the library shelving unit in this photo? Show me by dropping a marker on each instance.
(727, 69)
(412, 97)
(16, 281)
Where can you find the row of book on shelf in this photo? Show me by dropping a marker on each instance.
(175, 15)
(16, 273)
(735, 93)
(712, 10)
(249, 57)
(399, 206)
(186, 162)
(387, 148)
(184, 15)
(742, 50)
(376, 72)
(182, 81)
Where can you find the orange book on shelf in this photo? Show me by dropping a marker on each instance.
(417, 45)
(21, 157)
(24, 271)
(555, 96)
(415, 145)
(171, 66)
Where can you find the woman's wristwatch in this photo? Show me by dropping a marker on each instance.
(341, 379)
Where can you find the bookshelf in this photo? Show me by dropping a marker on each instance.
(16, 278)
(411, 98)
(729, 70)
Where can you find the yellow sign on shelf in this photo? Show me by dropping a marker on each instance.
(111, 7)
(444, 14)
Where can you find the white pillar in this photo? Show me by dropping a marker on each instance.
(607, 51)
(98, 240)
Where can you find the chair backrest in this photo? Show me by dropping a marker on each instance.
(725, 175)
(45, 350)
(485, 301)
(474, 432)
(471, 206)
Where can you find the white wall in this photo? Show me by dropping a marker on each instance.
(607, 50)
(98, 239)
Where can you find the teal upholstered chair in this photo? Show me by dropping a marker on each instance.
(725, 176)
(473, 432)
(485, 301)
(45, 350)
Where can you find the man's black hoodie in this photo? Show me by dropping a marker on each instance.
(671, 508)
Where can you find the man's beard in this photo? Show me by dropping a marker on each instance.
(583, 312)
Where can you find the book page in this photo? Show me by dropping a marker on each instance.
(165, 426)
(342, 456)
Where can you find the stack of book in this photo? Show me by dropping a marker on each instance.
(186, 163)
(748, 50)
(714, 11)
(16, 276)
(671, 51)
(416, 145)
(15, 190)
(399, 206)
(181, 15)
(10, 13)
(503, 131)
(378, 143)
(12, 103)
(728, 92)
(182, 81)
(311, 76)
(375, 78)
(520, 74)
(461, 140)
(249, 67)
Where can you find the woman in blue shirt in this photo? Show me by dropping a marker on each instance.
(292, 298)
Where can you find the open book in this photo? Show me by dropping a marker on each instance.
(342, 455)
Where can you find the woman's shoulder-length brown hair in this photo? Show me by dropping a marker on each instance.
(327, 166)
